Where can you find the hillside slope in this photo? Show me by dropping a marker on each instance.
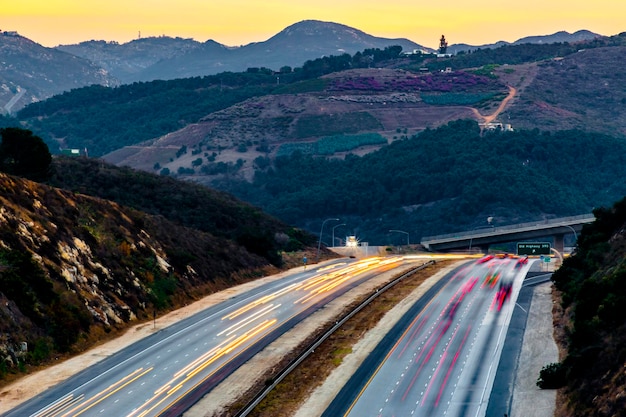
(76, 269)
(592, 325)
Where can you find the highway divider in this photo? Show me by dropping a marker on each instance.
(302, 356)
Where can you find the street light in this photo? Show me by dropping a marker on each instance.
(575, 235)
(333, 241)
(319, 243)
(479, 227)
(402, 231)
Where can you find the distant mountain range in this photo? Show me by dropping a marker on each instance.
(30, 72)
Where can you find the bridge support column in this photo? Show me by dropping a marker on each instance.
(558, 243)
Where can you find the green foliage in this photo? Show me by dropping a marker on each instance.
(306, 86)
(23, 281)
(332, 144)
(446, 178)
(593, 286)
(161, 290)
(552, 376)
(185, 203)
(335, 124)
(24, 154)
(456, 99)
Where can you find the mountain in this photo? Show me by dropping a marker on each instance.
(558, 37)
(30, 72)
(126, 61)
(166, 58)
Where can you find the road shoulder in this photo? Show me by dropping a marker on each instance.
(538, 350)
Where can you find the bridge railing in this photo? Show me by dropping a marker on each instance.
(568, 221)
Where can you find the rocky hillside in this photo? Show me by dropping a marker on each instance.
(76, 269)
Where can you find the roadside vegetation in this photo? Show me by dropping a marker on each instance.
(592, 287)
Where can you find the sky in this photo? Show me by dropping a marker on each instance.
(240, 22)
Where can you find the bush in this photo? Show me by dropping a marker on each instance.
(552, 376)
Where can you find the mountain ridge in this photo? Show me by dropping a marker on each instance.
(111, 64)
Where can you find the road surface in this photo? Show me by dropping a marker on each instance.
(165, 373)
(441, 357)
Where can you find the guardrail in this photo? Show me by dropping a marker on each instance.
(294, 363)
(582, 218)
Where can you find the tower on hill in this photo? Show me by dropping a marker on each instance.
(443, 45)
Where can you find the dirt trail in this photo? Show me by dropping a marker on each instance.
(490, 118)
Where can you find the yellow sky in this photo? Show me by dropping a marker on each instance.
(239, 22)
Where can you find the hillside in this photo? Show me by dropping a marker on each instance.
(30, 72)
(75, 269)
(580, 91)
(591, 325)
(387, 103)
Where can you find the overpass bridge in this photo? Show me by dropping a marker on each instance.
(552, 231)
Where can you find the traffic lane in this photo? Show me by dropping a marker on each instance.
(120, 358)
(420, 373)
(154, 377)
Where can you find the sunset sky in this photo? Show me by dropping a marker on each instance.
(239, 22)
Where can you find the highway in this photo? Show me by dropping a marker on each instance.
(441, 358)
(167, 372)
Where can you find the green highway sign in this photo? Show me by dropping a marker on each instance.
(533, 248)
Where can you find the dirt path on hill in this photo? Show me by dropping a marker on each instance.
(490, 118)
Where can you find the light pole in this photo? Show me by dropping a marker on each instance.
(476, 228)
(575, 235)
(333, 241)
(402, 231)
(319, 243)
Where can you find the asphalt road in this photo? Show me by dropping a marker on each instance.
(441, 357)
(168, 371)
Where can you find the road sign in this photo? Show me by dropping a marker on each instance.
(533, 248)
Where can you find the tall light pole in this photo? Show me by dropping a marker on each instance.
(402, 231)
(319, 243)
(333, 241)
(575, 235)
(479, 227)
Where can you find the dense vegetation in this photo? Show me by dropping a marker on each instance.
(518, 54)
(185, 203)
(23, 154)
(593, 287)
(442, 179)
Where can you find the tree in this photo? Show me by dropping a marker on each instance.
(443, 45)
(24, 154)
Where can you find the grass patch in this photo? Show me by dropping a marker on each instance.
(331, 144)
(335, 124)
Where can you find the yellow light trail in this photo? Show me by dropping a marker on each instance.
(107, 392)
(264, 311)
(218, 354)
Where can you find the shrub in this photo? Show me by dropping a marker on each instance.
(551, 376)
